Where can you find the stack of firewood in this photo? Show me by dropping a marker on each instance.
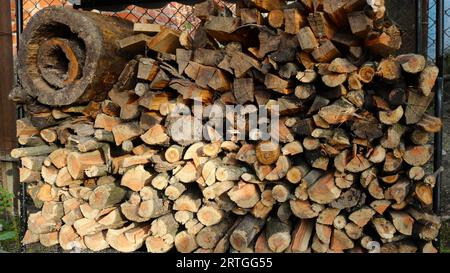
(107, 168)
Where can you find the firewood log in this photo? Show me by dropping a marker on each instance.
(76, 86)
(129, 238)
(209, 236)
(245, 232)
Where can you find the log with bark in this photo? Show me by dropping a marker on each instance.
(117, 154)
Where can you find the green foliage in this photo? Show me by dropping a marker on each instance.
(7, 235)
(6, 200)
(9, 229)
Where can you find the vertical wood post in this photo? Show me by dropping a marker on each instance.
(8, 168)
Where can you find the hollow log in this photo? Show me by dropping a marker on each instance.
(69, 56)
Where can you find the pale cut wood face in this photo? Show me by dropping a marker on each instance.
(283, 128)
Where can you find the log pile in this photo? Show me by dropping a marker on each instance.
(112, 170)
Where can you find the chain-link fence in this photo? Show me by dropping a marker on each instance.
(431, 30)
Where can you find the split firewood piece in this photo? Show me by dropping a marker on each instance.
(245, 195)
(282, 166)
(106, 122)
(165, 41)
(136, 178)
(106, 195)
(210, 215)
(306, 76)
(77, 163)
(419, 136)
(243, 90)
(427, 79)
(412, 63)
(173, 153)
(281, 192)
(417, 104)
(146, 28)
(293, 20)
(32, 151)
(392, 116)
(209, 236)
(307, 39)
(25, 128)
(160, 181)
(323, 232)
(188, 173)
(185, 242)
(430, 124)
(362, 216)
(343, 180)
(276, 18)
(131, 207)
(326, 52)
(245, 232)
(389, 69)
(193, 226)
(338, 112)
(387, 43)
(209, 171)
(228, 173)
(380, 206)
(129, 238)
(305, 91)
(26, 175)
(221, 28)
(128, 102)
(402, 221)
(326, 216)
(97, 241)
(358, 164)
(155, 135)
(424, 193)
(301, 236)
(86, 226)
(126, 131)
(348, 199)
(134, 44)
(375, 190)
(251, 16)
(383, 227)
(278, 84)
(324, 190)
(49, 174)
(68, 239)
(267, 152)
(340, 241)
(296, 173)
(339, 222)
(378, 154)
(261, 245)
(49, 135)
(353, 231)
(278, 235)
(163, 231)
(341, 65)
(418, 155)
(360, 23)
(429, 224)
(34, 163)
(49, 239)
(38, 224)
(393, 136)
(303, 209)
(189, 201)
